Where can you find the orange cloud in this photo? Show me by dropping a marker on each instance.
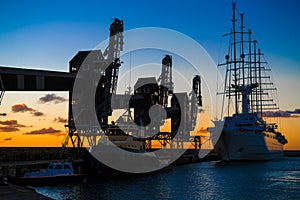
(42, 131)
(281, 113)
(8, 129)
(11, 123)
(37, 114)
(21, 108)
(48, 98)
(60, 120)
(24, 108)
(6, 139)
(10, 126)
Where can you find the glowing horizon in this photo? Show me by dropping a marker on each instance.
(48, 129)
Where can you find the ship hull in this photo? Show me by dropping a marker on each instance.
(47, 180)
(248, 146)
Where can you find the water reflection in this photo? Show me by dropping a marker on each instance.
(209, 180)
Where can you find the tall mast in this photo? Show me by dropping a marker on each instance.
(242, 46)
(234, 55)
(255, 75)
(260, 83)
(250, 66)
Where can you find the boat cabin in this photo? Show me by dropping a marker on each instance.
(54, 169)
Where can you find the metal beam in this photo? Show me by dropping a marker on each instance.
(20, 79)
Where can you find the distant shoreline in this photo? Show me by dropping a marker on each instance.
(292, 153)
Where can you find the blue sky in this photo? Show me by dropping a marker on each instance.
(47, 34)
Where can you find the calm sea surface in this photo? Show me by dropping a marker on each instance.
(278, 179)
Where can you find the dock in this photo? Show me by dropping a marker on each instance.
(15, 161)
(14, 192)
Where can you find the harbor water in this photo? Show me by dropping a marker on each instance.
(279, 179)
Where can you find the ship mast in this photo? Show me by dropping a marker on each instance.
(242, 46)
(250, 65)
(234, 56)
(244, 70)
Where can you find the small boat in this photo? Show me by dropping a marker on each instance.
(56, 173)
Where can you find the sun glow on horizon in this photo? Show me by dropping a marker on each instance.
(21, 128)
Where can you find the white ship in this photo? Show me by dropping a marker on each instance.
(244, 133)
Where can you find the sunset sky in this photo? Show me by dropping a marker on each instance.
(47, 34)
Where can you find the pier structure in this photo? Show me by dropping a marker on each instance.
(181, 108)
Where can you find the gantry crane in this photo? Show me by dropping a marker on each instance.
(108, 64)
(108, 81)
(165, 79)
(181, 110)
